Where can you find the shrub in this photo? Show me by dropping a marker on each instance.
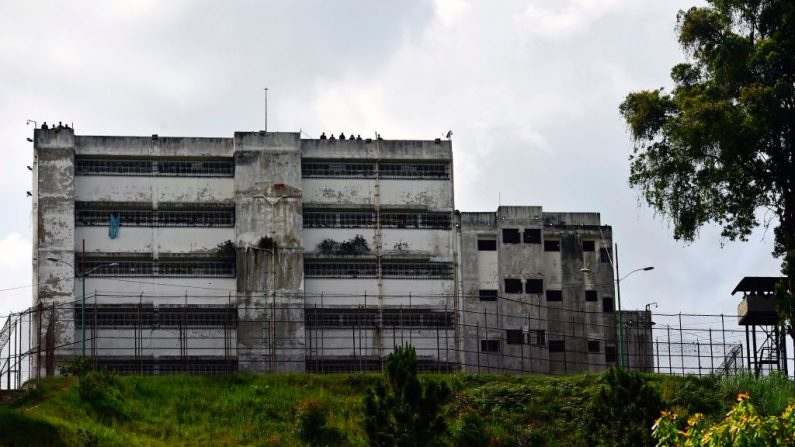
(742, 426)
(622, 411)
(101, 391)
(402, 411)
(471, 432)
(313, 427)
(76, 366)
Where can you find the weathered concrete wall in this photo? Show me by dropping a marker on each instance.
(378, 149)
(152, 240)
(154, 189)
(268, 205)
(149, 146)
(54, 238)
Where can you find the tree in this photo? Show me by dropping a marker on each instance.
(720, 147)
(622, 411)
(403, 411)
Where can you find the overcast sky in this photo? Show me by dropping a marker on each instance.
(530, 89)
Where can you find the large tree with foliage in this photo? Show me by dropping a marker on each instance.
(720, 147)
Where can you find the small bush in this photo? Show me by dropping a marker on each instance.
(101, 391)
(622, 411)
(313, 428)
(76, 366)
(471, 432)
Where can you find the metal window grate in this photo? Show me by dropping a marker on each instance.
(425, 270)
(150, 218)
(339, 219)
(196, 268)
(329, 169)
(417, 318)
(416, 171)
(110, 316)
(350, 270)
(154, 167)
(423, 221)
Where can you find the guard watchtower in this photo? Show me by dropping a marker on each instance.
(766, 348)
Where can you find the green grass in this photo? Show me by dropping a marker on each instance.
(260, 409)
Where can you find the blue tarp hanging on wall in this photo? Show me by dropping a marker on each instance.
(113, 228)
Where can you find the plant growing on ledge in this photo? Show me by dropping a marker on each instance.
(225, 250)
(266, 243)
(356, 246)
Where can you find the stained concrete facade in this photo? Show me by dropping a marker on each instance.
(266, 252)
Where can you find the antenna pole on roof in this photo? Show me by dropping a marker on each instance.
(266, 109)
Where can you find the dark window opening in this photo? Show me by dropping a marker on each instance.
(610, 354)
(540, 337)
(513, 286)
(552, 245)
(332, 169)
(514, 337)
(607, 304)
(487, 245)
(557, 345)
(593, 345)
(510, 236)
(416, 171)
(591, 295)
(588, 246)
(490, 345)
(604, 255)
(532, 236)
(534, 286)
(554, 295)
(487, 295)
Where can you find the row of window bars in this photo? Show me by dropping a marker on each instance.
(156, 168)
(128, 316)
(533, 236)
(367, 219)
(420, 171)
(536, 286)
(177, 269)
(369, 270)
(156, 218)
(369, 318)
(226, 168)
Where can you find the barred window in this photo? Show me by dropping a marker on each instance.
(417, 171)
(417, 318)
(429, 221)
(101, 218)
(206, 316)
(200, 268)
(337, 169)
(339, 219)
(349, 270)
(115, 316)
(487, 295)
(425, 270)
(489, 345)
(514, 337)
(215, 218)
(154, 167)
(557, 345)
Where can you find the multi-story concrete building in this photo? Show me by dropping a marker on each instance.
(266, 252)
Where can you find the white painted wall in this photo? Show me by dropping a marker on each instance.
(430, 242)
(154, 189)
(433, 194)
(488, 267)
(145, 240)
(339, 192)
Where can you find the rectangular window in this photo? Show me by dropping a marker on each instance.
(174, 268)
(340, 270)
(557, 345)
(554, 295)
(552, 245)
(534, 286)
(510, 236)
(337, 169)
(591, 295)
(514, 337)
(487, 245)
(532, 236)
(417, 270)
(610, 354)
(540, 337)
(607, 304)
(88, 215)
(489, 345)
(155, 167)
(588, 246)
(488, 295)
(593, 345)
(314, 218)
(417, 318)
(513, 286)
(414, 171)
(604, 255)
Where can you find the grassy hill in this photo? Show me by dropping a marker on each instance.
(260, 410)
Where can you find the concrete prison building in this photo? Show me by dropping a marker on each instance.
(268, 252)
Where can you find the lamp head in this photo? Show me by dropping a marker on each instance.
(646, 269)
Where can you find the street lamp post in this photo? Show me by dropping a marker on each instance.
(614, 264)
(618, 300)
(82, 277)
